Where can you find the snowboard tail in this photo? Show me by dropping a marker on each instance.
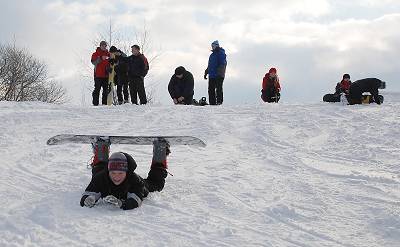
(130, 140)
(366, 99)
(331, 97)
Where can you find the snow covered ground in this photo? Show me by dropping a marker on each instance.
(271, 175)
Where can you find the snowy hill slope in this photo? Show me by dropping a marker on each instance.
(271, 175)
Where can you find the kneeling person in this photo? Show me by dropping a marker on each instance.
(359, 87)
(118, 184)
(181, 86)
(271, 87)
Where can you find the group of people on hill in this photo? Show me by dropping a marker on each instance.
(352, 92)
(181, 85)
(129, 73)
(131, 70)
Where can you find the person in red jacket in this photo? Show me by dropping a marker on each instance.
(270, 87)
(344, 85)
(101, 65)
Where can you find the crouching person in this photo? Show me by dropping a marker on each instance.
(271, 87)
(119, 185)
(181, 87)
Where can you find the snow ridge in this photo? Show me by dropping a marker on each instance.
(271, 175)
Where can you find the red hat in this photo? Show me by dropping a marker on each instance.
(272, 70)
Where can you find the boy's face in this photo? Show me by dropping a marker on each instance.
(117, 177)
(103, 47)
(135, 51)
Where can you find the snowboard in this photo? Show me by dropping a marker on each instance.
(331, 97)
(112, 93)
(131, 140)
(366, 99)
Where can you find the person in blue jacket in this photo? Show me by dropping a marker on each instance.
(216, 73)
(181, 87)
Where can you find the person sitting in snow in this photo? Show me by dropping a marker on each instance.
(344, 85)
(181, 86)
(270, 87)
(114, 179)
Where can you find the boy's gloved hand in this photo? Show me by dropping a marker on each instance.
(90, 201)
(113, 200)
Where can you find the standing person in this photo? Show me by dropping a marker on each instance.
(121, 70)
(119, 185)
(216, 73)
(181, 86)
(359, 87)
(101, 65)
(271, 87)
(137, 71)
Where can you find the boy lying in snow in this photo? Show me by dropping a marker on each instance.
(114, 179)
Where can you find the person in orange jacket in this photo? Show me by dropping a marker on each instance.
(270, 87)
(101, 66)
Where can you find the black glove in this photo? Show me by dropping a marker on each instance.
(111, 61)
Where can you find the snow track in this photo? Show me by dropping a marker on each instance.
(271, 175)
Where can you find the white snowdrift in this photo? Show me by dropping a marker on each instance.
(271, 175)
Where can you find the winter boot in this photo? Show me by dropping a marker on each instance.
(160, 152)
(158, 171)
(101, 152)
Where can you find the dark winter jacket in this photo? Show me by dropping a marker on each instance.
(131, 192)
(182, 87)
(121, 68)
(100, 65)
(359, 87)
(217, 63)
(136, 66)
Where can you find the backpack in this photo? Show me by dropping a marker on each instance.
(146, 65)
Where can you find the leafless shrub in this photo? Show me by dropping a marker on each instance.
(25, 78)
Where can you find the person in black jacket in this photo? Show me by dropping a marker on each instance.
(359, 87)
(181, 86)
(120, 186)
(121, 76)
(137, 72)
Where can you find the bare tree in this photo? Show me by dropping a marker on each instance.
(144, 40)
(24, 78)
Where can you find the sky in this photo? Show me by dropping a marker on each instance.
(312, 43)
